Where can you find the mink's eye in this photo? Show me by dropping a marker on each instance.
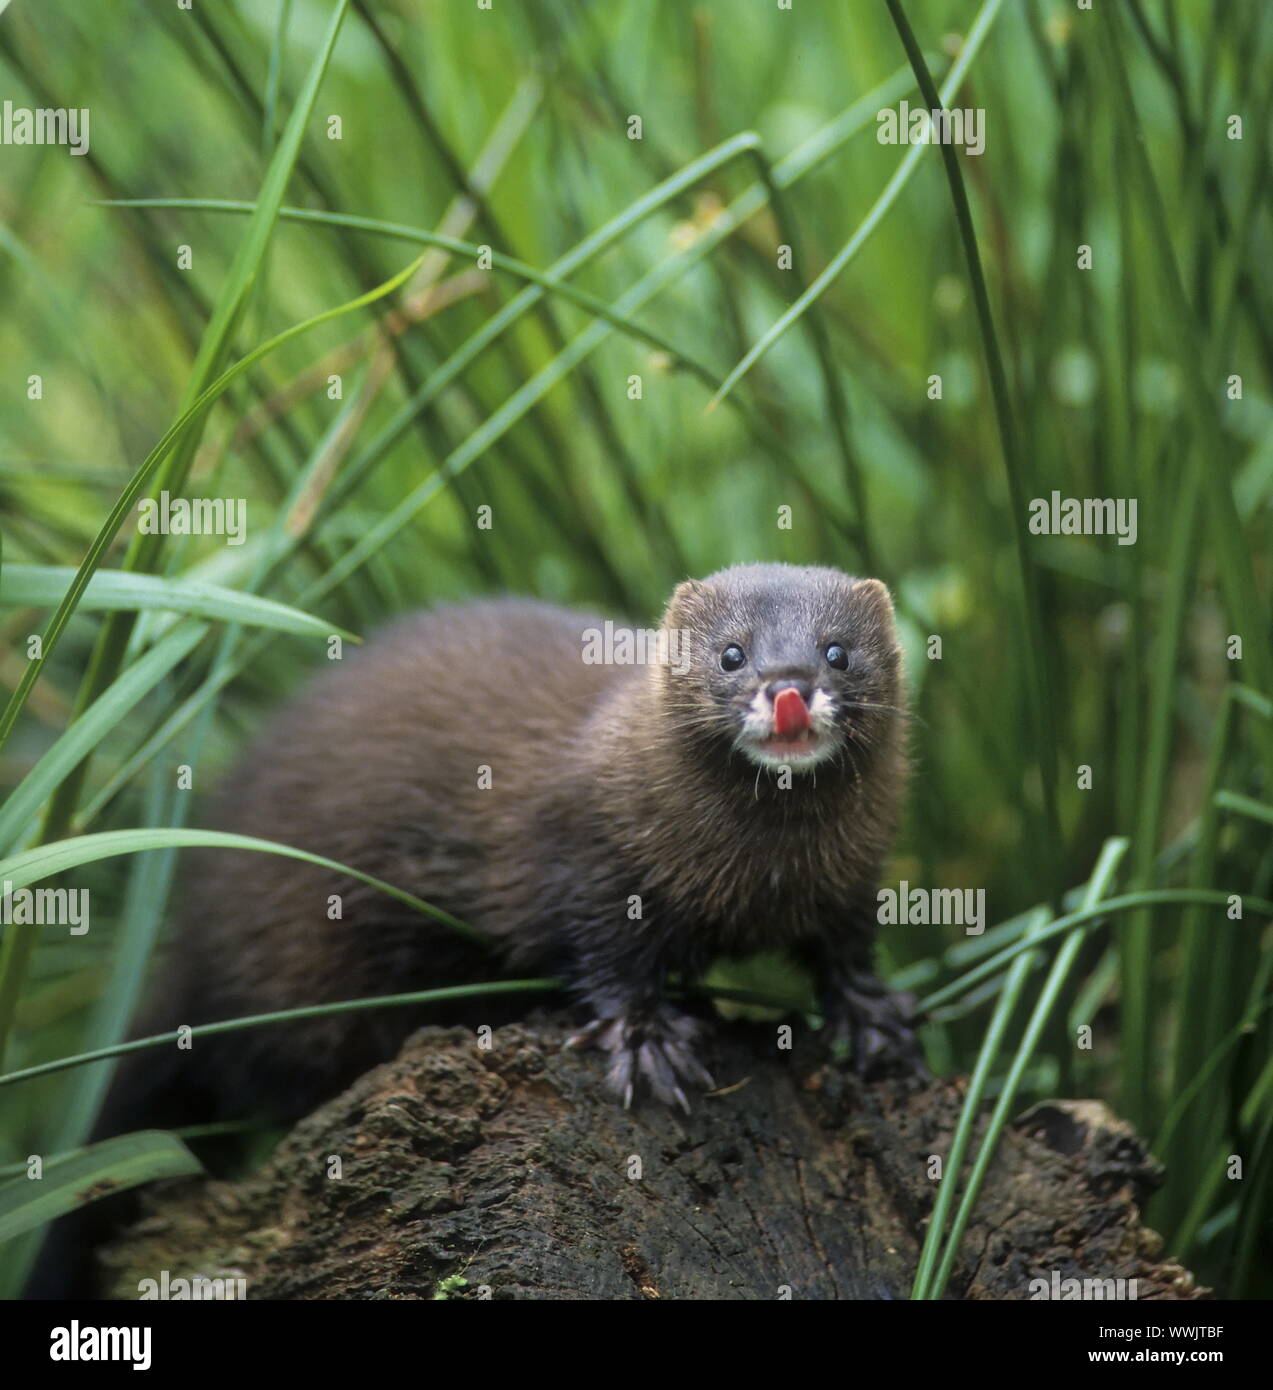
(837, 657)
(732, 658)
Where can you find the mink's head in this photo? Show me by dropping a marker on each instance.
(788, 665)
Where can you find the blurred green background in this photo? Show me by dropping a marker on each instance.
(509, 129)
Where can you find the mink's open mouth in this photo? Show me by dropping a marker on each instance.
(806, 741)
(788, 750)
(787, 731)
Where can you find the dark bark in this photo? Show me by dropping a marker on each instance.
(513, 1170)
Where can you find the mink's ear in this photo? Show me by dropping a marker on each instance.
(874, 593)
(686, 596)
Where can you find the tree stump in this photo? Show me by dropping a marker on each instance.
(512, 1173)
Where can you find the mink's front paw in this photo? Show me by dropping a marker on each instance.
(657, 1046)
(876, 1027)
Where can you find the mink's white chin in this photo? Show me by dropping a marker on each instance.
(799, 753)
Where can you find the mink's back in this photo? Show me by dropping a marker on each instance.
(394, 735)
(375, 764)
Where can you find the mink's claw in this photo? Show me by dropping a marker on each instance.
(876, 1026)
(655, 1049)
(662, 1065)
(586, 1035)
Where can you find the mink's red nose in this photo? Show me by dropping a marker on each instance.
(791, 714)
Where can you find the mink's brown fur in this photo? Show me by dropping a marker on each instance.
(623, 835)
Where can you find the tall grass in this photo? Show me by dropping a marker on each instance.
(612, 259)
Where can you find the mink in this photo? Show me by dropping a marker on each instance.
(616, 824)
(608, 822)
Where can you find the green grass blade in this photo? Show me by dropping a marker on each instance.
(101, 1169)
(1128, 902)
(250, 256)
(398, 231)
(92, 726)
(1210, 440)
(44, 861)
(42, 586)
(237, 1025)
(1245, 806)
(1031, 625)
(883, 205)
(136, 486)
(807, 157)
(175, 460)
(1203, 1076)
(962, 1137)
(1106, 866)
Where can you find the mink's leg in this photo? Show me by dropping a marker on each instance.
(877, 1025)
(649, 1040)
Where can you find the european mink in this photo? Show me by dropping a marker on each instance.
(634, 821)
